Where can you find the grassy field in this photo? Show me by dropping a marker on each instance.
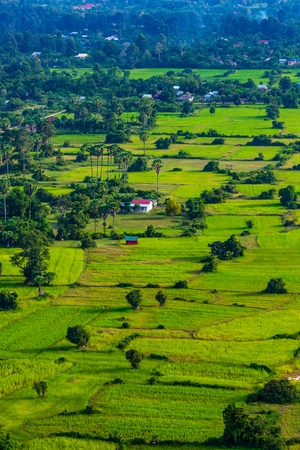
(218, 334)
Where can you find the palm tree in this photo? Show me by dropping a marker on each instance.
(144, 137)
(125, 158)
(114, 208)
(4, 187)
(30, 189)
(91, 153)
(157, 165)
(7, 155)
(145, 110)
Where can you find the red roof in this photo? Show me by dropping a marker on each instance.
(141, 202)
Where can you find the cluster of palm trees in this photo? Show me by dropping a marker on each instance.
(117, 161)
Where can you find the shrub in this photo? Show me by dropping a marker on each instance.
(232, 248)
(211, 166)
(275, 286)
(134, 298)
(276, 391)
(181, 284)
(78, 335)
(134, 357)
(152, 285)
(211, 264)
(161, 297)
(8, 300)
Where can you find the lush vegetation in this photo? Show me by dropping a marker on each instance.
(184, 325)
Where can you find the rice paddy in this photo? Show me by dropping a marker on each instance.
(216, 336)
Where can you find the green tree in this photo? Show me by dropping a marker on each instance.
(161, 297)
(134, 298)
(144, 137)
(232, 248)
(275, 286)
(276, 391)
(29, 190)
(211, 264)
(8, 300)
(157, 165)
(211, 166)
(4, 188)
(241, 430)
(272, 112)
(172, 207)
(40, 387)
(34, 258)
(134, 357)
(288, 197)
(78, 335)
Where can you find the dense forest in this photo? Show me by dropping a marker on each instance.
(139, 34)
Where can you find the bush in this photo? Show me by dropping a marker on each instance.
(134, 298)
(211, 264)
(229, 249)
(276, 391)
(275, 286)
(152, 285)
(181, 284)
(211, 166)
(78, 335)
(8, 300)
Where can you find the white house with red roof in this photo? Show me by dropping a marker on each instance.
(142, 205)
(139, 205)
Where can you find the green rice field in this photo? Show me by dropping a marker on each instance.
(210, 345)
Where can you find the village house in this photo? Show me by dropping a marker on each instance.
(139, 205)
(81, 56)
(210, 95)
(262, 88)
(187, 97)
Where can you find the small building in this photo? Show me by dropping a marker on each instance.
(113, 37)
(142, 205)
(211, 95)
(81, 56)
(187, 97)
(262, 88)
(131, 240)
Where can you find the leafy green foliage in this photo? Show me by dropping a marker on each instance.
(8, 300)
(134, 298)
(276, 391)
(161, 297)
(230, 249)
(172, 207)
(211, 166)
(134, 357)
(250, 432)
(40, 387)
(78, 335)
(275, 286)
(34, 258)
(288, 197)
(211, 264)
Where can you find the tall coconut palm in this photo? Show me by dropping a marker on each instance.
(145, 110)
(7, 155)
(114, 208)
(4, 187)
(30, 189)
(144, 137)
(157, 165)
